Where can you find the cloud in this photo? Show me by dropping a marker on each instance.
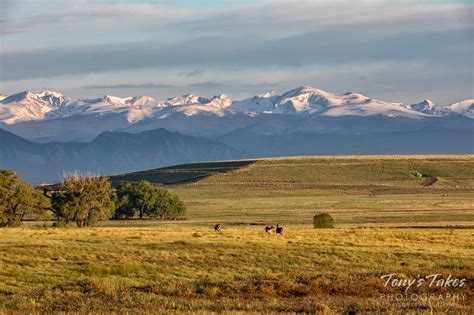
(129, 86)
(195, 73)
(278, 42)
(202, 85)
(324, 47)
(77, 17)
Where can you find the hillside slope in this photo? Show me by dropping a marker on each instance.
(390, 171)
(368, 190)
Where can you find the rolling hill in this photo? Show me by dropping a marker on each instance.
(292, 189)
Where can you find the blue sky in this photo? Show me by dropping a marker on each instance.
(392, 50)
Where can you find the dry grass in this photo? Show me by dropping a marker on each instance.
(184, 266)
(170, 267)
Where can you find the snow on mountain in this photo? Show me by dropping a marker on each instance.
(465, 108)
(429, 107)
(54, 98)
(308, 100)
(2, 96)
(260, 103)
(220, 101)
(305, 100)
(27, 105)
(217, 110)
(134, 108)
(187, 99)
(192, 105)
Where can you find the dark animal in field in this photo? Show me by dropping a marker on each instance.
(279, 230)
(430, 180)
(217, 228)
(269, 229)
(371, 193)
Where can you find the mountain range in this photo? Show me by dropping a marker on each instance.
(50, 116)
(46, 134)
(109, 153)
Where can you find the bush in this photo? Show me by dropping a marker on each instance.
(323, 220)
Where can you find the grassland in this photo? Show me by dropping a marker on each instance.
(291, 190)
(169, 266)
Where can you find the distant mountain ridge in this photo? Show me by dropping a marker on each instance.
(109, 153)
(45, 134)
(26, 106)
(50, 116)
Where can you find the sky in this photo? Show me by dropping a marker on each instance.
(399, 51)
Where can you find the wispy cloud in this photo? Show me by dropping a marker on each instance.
(303, 40)
(194, 73)
(129, 86)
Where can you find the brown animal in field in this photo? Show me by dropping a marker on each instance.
(217, 227)
(279, 230)
(269, 229)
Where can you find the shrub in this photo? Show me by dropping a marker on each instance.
(323, 220)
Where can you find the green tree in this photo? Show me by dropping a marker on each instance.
(323, 220)
(146, 199)
(18, 199)
(83, 200)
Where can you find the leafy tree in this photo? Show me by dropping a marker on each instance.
(323, 220)
(146, 199)
(18, 199)
(83, 200)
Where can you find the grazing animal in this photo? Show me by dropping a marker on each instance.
(279, 230)
(217, 228)
(269, 229)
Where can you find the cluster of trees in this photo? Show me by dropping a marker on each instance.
(84, 201)
(146, 199)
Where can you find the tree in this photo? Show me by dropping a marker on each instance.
(18, 199)
(83, 200)
(323, 220)
(146, 199)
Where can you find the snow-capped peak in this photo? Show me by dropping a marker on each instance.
(429, 107)
(114, 100)
(144, 101)
(52, 98)
(259, 103)
(50, 94)
(221, 101)
(27, 105)
(18, 97)
(465, 108)
(304, 100)
(186, 99)
(267, 94)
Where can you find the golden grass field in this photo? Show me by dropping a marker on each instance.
(184, 266)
